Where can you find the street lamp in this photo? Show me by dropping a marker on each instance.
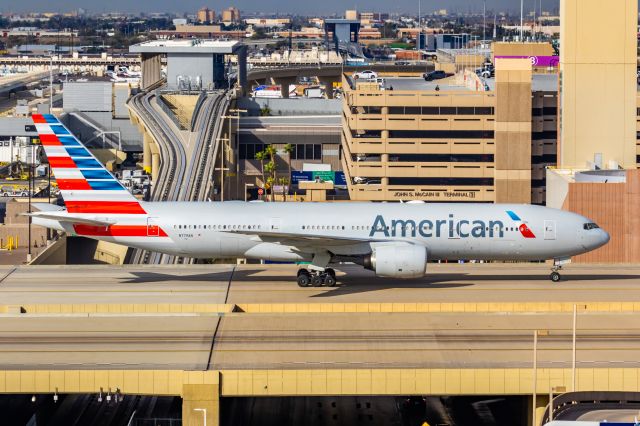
(536, 333)
(554, 390)
(237, 136)
(204, 414)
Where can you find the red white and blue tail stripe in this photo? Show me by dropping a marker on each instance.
(86, 186)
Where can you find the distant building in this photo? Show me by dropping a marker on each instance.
(206, 15)
(369, 33)
(268, 22)
(231, 16)
(351, 14)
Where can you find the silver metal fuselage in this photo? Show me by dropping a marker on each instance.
(294, 231)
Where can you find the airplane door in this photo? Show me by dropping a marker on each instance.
(549, 229)
(276, 224)
(153, 229)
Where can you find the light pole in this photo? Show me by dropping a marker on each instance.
(222, 168)
(536, 333)
(204, 414)
(237, 139)
(521, 21)
(552, 390)
(573, 349)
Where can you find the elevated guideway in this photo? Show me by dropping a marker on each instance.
(181, 171)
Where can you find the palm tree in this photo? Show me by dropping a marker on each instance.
(261, 156)
(270, 169)
(289, 148)
(271, 166)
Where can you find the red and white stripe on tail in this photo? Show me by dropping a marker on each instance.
(86, 186)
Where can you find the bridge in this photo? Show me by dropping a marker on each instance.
(18, 82)
(327, 74)
(206, 332)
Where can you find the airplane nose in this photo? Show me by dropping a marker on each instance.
(599, 239)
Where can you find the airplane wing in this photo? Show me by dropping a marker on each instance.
(301, 241)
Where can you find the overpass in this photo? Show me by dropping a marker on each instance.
(206, 332)
(18, 82)
(328, 74)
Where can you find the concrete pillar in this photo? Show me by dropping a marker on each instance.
(155, 160)
(146, 152)
(198, 401)
(385, 162)
(542, 401)
(328, 82)
(284, 85)
(513, 131)
(242, 69)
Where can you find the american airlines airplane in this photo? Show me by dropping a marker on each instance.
(392, 239)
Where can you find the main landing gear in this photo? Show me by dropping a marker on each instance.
(326, 278)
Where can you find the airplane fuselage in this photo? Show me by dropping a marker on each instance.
(448, 231)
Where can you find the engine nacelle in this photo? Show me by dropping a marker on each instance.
(398, 261)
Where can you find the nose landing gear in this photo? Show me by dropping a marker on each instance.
(556, 268)
(555, 273)
(326, 278)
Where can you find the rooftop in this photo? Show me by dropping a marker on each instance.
(187, 46)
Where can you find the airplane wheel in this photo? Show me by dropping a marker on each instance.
(303, 280)
(331, 272)
(330, 280)
(555, 277)
(316, 281)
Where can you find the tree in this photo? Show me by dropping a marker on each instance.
(289, 148)
(283, 181)
(271, 168)
(261, 156)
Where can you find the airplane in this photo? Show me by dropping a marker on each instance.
(392, 239)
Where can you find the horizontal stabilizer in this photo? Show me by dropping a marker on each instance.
(67, 218)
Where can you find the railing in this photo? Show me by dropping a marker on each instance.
(165, 108)
(196, 110)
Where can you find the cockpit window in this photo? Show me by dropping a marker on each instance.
(590, 226)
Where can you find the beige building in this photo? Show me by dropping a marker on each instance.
(351, 14)
(268, 22)
(598, 84)
(418, 145)
(231, 15)
(206, 15)
(459, 144)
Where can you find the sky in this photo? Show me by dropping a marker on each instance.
(269, 6)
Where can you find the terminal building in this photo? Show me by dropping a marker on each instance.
(465, 142)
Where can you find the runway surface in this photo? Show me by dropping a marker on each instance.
(240, 340)
(276, 284)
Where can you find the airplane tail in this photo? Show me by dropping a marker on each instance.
(86, 186)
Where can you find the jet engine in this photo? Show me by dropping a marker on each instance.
(398, 261)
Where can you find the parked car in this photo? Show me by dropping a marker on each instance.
(486, 72)
(365, 75)
(435, 75)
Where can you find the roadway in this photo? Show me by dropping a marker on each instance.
(279, 338)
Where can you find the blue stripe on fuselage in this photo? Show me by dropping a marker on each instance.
(513, 216)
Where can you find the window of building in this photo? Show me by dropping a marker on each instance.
(442, 181)
(441, 134)
(248, 151)
(307, 152)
